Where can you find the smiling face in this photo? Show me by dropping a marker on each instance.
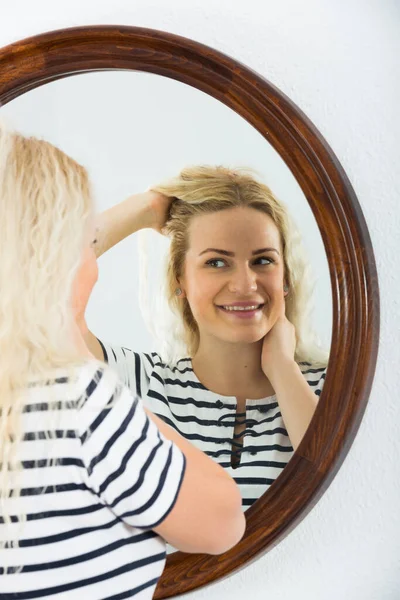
(234, 262)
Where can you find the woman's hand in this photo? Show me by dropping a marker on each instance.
(278, 346)
(296, 400)
(159, 206)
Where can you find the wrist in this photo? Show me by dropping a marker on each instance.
(278, 370)
(139, 211)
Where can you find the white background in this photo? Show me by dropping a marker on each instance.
(339, 62)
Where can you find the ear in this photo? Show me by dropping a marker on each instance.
(179, 291)
(181, 284)
(285, 289)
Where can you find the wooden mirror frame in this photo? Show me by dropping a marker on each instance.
(32, 62)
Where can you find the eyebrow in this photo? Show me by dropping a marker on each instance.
(228, 253)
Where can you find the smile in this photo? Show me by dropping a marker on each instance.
(251, 307)
(242, 312)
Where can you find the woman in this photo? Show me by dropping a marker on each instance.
(247, 389)
(90, 483)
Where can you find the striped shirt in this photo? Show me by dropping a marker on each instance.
(88, 533)
(208, 419)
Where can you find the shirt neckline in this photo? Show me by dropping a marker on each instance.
(251, 402)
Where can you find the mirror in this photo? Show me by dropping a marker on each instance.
(311, 166)
(135, 130)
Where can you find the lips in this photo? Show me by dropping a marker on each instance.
(242, 311)
(242, 306)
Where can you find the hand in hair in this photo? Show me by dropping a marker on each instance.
(159, 206)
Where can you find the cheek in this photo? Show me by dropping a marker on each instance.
(274, 281)
(200, 291)
(273, 286)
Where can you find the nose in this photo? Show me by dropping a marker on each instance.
(243, 281)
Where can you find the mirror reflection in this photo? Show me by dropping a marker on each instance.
(206, 303)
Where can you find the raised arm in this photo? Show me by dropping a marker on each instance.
(140, 211)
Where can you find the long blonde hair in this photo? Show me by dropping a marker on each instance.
(45, 204)
(199, 190)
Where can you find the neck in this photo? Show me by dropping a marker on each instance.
(80, 343)
(231, 369)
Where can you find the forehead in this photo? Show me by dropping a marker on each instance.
(236, 229)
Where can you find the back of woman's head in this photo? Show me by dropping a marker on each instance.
(45, 207)
(200, 190)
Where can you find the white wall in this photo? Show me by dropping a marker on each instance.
(339, 62)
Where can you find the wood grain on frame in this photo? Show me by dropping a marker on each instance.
(32, 62)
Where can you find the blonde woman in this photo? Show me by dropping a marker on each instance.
(91, 484)
(247, 387)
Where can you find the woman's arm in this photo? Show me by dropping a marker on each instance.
(140, 211)
(296, 400)
(149, 482)
(208, 515)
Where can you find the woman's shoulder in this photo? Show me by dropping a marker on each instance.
(70, 386)
(92, 374)
(115, 354)
(314, 374)
(134, 367)
(312, 368)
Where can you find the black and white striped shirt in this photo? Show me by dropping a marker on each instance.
(88, 533)
(207, 419)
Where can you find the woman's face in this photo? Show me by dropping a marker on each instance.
(234, 274)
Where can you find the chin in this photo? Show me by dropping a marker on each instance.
(249, 339)
(244, 337)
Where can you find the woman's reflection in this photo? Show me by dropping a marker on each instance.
(248, 387)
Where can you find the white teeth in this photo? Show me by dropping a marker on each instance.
(253, 307)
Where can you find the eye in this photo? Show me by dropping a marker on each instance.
(268, 260)
(212, 262)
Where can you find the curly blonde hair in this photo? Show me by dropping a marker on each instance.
(45, 205)
(200, 190)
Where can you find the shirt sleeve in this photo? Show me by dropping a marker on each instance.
(133, 368)
(130, 465)
(315, 377)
